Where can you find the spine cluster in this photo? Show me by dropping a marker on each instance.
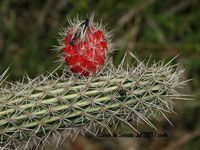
(56, 106)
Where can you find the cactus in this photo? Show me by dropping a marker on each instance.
(59, 106)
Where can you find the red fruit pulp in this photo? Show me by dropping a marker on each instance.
(86, 56)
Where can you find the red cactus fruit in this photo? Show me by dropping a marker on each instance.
(85, 47)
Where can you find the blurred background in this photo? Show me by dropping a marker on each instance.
(163, 29)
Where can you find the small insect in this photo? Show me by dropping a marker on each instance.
(122, 92)
(84, 26)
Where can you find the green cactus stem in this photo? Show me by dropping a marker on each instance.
(31, 113)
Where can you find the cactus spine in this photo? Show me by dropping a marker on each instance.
(31, 113)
